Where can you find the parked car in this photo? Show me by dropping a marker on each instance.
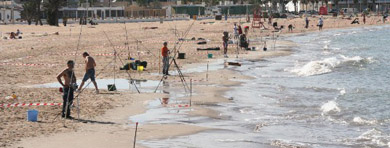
(313, 12)
(334, 11)
(302, 12)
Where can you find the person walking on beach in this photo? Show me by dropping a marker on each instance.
(165, 54)
(90, 65)
(225, 39)
(364, 18)
(68, 88)
(290, 28)
(239, 30)
(307, 22)
(320, 24)
(235, 31)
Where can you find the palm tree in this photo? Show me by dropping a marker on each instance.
(304, 2)
(336, 3)
(274, 5)
(28, 12)
(312, 3)
(355, 3)
(144, 3)
(38, 13)
(365, 3)
(295, 2)
(52, 7)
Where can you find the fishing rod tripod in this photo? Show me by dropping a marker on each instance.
(181, 76)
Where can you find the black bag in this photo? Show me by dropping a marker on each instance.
(144, 64)
(133, 66)
(125, 67)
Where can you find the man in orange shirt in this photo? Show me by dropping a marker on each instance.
(165, 54)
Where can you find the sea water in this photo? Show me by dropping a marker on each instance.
(333, 91)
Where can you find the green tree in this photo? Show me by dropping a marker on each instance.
(143, 3)
(336, 3)
(52, 8)
(29, 11)
(312, 3)
(38, 13)
(255, 2)
(355, 3)
(305, 2)
(295, 2)
(365, 2)
(157, 4)
(211, 2)
(91, 2)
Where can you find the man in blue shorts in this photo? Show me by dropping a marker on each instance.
(90, 71)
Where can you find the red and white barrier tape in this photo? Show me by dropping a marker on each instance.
(33, 65)
(187, 81)
(178, 105)
(30, 104)
(27, 64)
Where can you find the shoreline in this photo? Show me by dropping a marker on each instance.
(128, 131)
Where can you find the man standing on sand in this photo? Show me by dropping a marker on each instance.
(90, 65)
(235, 31)
(269, 18)
(307, 22)
(364, 18)
(239, 30)
(165, 54)
(68, 87)
(225, 39)
(320, 24)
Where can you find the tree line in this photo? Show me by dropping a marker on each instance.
(34, 9)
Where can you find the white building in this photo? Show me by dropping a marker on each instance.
(9, 11)
(291, 8)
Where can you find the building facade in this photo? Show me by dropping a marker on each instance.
(10, 11)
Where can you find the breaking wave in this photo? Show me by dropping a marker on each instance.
(375, 137)
(329, 64)
(361, 121)
(330, 107)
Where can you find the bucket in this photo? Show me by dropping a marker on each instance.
(111, 87)
(182, 56)
(140, 68)
(210, 55)
(32, 115)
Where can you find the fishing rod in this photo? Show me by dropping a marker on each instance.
(112, 45)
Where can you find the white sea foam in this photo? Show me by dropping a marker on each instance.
(327, 65)
(359, 120)
(330, 107)
(247, 111)
(375, 137)
(342, 91)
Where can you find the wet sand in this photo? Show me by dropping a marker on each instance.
(105, 116)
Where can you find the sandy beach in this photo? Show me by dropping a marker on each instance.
(104, 118)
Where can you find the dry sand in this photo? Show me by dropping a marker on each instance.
(105, 116)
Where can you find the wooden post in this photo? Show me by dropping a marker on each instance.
(135, 134)
(207, 73)
(190, 92)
